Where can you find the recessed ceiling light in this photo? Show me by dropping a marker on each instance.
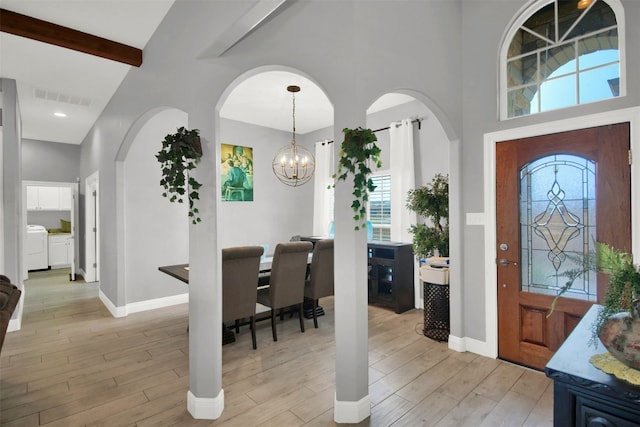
(59, 114)
(583, 4)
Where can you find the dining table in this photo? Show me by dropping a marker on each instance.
(181, 272)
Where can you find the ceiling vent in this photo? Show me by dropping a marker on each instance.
(50, 95)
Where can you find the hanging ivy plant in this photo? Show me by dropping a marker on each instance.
(357, 152)
(180, 153)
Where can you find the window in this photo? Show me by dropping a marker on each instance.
(561, 55)
(380, 206)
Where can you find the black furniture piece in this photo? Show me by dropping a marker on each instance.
(391, 275)
(583, 395)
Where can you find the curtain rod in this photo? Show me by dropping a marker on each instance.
(416, 120)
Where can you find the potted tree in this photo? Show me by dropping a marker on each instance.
(180, 153)
(431, 202)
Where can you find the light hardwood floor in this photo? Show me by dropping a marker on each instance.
(72, 364)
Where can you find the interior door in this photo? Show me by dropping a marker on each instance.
(556, 195)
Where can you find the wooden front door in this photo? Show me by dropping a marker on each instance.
(555, 196)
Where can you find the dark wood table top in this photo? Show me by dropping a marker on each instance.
(179, 271)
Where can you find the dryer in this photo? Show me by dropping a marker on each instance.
(37, 246)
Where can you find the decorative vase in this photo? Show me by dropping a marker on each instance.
(620, 334)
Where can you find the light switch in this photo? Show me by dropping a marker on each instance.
(475, 218)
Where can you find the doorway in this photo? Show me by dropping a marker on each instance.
(554, 199)
(92, 229)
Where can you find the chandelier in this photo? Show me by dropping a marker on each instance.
(293, 165)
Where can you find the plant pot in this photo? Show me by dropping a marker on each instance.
(620, 334)
(438, 276)
(196, 144)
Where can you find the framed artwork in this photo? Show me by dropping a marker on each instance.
(237, 173)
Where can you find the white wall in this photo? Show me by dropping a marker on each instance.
(156, 231)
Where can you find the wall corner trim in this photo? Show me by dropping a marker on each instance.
(205, 408)
(14, 325)
(472, 345)
(115, 311)
(351, 412)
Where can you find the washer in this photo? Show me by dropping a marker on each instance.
(37, 247)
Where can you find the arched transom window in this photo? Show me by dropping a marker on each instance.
(562, 53)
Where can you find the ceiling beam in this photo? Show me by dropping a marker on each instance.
(248, 22)
(47, 32)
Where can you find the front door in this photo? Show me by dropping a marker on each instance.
(556, 195)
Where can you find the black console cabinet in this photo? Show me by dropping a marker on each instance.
(582, 394)
(391, 275)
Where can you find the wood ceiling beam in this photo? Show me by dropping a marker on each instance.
(47, 32)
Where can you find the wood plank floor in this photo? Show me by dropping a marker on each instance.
(72, 364)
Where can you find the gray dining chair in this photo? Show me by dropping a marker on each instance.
(286, 284)
(320, 281)
(240, 269)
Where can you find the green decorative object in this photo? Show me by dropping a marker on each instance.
(431, 201)
(357, 152)
(180, 153)
(617, 325)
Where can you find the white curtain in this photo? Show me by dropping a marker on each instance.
(323, 197)
(403, 179)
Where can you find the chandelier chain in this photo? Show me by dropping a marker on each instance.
(293, 94)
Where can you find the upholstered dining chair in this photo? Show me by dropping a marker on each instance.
(9, 297)
(286, 284)
(320, 281)
(240, 269)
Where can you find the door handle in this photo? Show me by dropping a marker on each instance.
(505, 262)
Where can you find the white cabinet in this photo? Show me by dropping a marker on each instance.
(60, 250)
(48, 198)
(64, 196)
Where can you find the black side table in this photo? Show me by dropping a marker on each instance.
(583, 395)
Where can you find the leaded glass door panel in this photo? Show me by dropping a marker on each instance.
(556, 196)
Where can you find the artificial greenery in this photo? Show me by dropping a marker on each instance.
(180, 153)
(357, 152)
(624, 282)
(431, 201)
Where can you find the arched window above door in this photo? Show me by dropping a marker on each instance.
(561, 53)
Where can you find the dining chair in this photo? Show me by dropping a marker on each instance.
(320, 281)
(286, 284)
(9, 297)
(240, 269)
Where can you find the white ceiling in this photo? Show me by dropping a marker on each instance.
(51, 79)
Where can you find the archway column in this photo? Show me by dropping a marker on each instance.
(205, 398)
(352, 403)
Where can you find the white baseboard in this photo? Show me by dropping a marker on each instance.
(471, 345)
(152, 304)
(14, 325)
(457, 344)
(351, 412)
(115, 311)
(205, 408)
(137, 307)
